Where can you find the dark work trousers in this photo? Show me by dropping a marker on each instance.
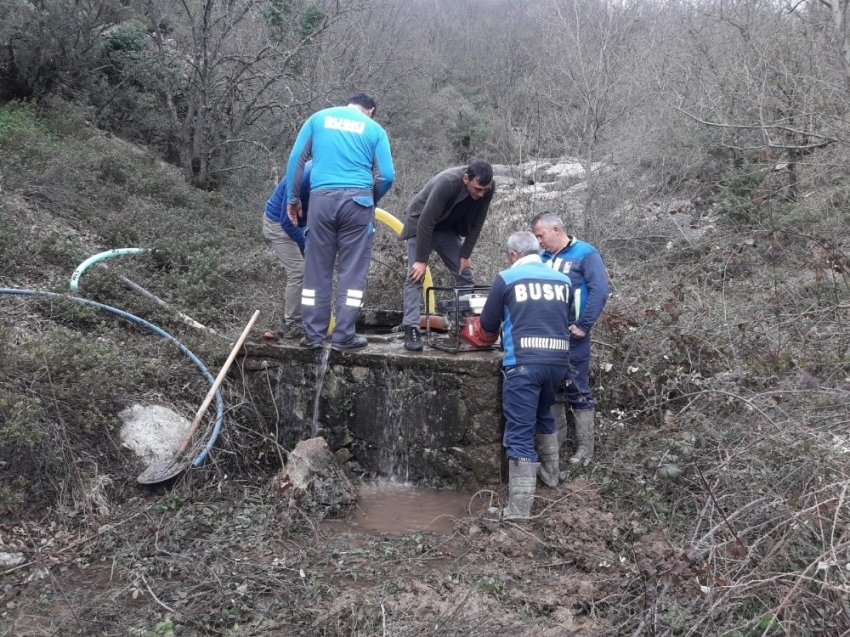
(339, 227)
(528, 394)
(446, 244)
(577, 393)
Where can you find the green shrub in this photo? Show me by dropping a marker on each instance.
(127, 38)
(744, 184)
(9, 243)
(20, 128)
(794, 217)
(55, 250)
(18, 413)
(64, 119)
(289, 20)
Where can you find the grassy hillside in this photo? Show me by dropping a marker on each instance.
(68, 192)
(716, 502)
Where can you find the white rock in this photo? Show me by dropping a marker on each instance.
(565, 170)
(152, 432)
(11, 559)
(312, 469)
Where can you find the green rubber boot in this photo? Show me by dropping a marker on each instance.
(548, 448)
(584, 435)
(523, 484)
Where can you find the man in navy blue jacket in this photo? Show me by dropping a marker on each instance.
(287, 240)
(586, 269)
(531, 302)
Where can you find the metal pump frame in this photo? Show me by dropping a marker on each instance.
(431, 301)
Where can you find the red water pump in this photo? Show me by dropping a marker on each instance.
(458, 311)
(476, 335)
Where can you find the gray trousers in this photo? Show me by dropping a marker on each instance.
(447, 245)
(293, 264)
(339, 228)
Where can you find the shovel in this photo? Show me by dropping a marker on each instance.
(162, 471)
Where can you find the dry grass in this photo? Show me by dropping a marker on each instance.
(722, 355)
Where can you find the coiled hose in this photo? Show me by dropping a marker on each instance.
(219, 403)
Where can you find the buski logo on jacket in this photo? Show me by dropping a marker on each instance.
(537, 291)
(347, 125)
(560, 265)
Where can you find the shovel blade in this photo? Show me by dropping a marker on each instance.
(162, 471)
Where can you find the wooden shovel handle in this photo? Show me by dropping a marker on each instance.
(187, 438)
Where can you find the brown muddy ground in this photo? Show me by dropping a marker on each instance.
(231, 558)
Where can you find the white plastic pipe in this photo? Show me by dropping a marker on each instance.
(78, 273)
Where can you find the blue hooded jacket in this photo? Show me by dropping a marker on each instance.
(276, 207)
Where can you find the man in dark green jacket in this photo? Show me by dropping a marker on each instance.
(446, 216)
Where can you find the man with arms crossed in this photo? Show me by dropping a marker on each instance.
(586, 269)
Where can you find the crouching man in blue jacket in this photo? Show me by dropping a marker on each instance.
(531, 302)
(288, 241)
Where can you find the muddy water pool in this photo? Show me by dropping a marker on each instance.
(386, 507)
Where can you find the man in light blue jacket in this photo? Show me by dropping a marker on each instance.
(352, 170)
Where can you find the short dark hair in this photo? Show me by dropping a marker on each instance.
(480, 170)
(365, 100)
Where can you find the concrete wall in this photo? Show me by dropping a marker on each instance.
(432, 417)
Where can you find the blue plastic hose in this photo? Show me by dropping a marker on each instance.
(219, 403)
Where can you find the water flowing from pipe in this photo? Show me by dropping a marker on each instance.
(321, 371)
(394, 459)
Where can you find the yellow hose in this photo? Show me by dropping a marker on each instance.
(385, 217)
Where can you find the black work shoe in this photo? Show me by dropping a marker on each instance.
(412, 342)
(305, 343)
(295, 330)
(356, 342)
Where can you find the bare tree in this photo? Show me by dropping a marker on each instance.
(225, 67)
(838, 13)
(50, 46)
(761, 81)
(598, 52)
